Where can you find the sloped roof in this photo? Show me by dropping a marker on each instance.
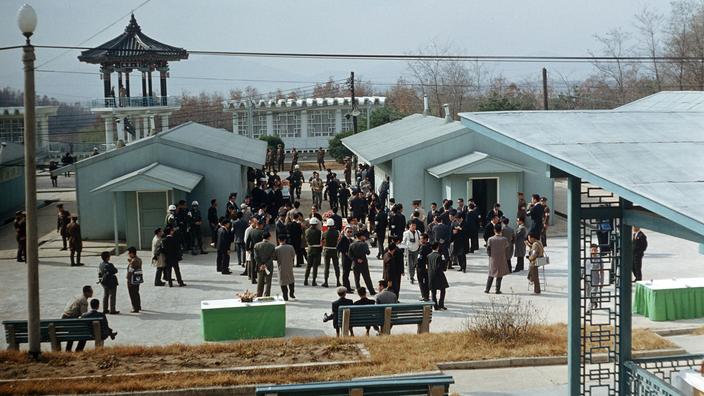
(387, 141)
(241, 149)
(200, 138)
(681, 101)
(652, 159)
(474, 162)
(153, 177)
(132, 46)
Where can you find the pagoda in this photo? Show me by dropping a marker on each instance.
(130, 53)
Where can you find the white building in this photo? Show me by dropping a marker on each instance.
(305, 124)
(12, 125)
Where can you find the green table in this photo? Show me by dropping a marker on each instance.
(670, 299)
(234, 320)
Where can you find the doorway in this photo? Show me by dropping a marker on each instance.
(152, 212)
(485, 192)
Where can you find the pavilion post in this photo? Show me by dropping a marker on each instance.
(144, 83)
(114, 222)
(625, 307)
(106, 85)
(162, 83)
(574, 186)
(127, 84)
(149, 82)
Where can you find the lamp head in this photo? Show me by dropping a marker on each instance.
(27, 20)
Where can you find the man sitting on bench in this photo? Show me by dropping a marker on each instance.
(77, 307)
(94, 313)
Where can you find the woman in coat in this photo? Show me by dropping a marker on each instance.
(158, 258)
(497, 246)
(520, 244)
(536, 250)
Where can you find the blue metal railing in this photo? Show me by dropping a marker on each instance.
(136, 101)
(653, 376)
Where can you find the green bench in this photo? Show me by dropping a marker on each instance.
(432, 385)
(54, 331)
(384, 316)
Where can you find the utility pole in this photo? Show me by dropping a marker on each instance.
(545, 89)
(354, 105)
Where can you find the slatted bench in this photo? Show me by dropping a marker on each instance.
(432, 385)
(385, 316)
(54, 331)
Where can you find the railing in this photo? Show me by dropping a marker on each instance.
(653, 376)
(136, 101)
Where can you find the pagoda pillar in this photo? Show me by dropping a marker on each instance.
(151, 93)
(119, 92)
(106, 83)
(144, 83)
(162, 80)
(127, 84)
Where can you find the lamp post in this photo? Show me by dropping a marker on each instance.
(27, 21)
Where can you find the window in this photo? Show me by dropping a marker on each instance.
(259, 125)
(12, 130)
(242, 124)
(321, 122)
(287, 124)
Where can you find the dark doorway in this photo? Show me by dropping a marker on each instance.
(485, 193)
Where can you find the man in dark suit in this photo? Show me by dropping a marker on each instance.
(473, 222)
(340, 302)
(640, 245)
(496, 211)
(536, 212)
(94, 313)
(172, 251)
(223, 246)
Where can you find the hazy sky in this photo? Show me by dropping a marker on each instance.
(493, 27)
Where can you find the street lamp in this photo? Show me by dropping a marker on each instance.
(27, 21)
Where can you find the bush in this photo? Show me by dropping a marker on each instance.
(336, 149)
(506, 319)
(272, 141)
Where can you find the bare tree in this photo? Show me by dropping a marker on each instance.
(649, 24)
(678, 43)
(615, 44)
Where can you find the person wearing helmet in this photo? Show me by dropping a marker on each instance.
(196, 221)
(170, 221)
(313, 237)
(329, 243)
(297, 181)
(294, 159)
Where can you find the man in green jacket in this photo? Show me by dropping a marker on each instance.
(264, 258)
(313, 237)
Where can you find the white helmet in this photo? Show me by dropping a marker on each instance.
(313, 221)
(296, 166)
(172, 207)
(331, 223)
(194, 203)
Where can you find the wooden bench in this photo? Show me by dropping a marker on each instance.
(432, 385)
(54, 331)
(385, 316)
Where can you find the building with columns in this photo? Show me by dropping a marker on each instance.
(12, 125)
(131, 117)
(305, 124)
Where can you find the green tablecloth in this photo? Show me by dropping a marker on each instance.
(670, 299)
(234, 320)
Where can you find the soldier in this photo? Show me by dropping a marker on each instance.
(329, 242)
(170, 220)
(321, 158)
(196, 220)
(182, 221)
(268, 162)
(297, 180)
(21, 236)
(280, 157)
(62, 219)
(313, 238)
(294, 159)
(75, 241)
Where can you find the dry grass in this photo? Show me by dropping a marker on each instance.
(420, 353)
(698, 331)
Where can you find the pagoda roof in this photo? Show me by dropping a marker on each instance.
(132, 46)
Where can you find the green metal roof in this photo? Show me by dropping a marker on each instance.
(652, 159)
(154, 177)
(396, 138)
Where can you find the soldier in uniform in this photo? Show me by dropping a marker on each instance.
(170, 220)
(297, 180)
(196, 220)
(294, 159)
(62, 219)
(21, 236)
(329, 242)
(182, 221)
(321, 158)
(75, 241)
(269, 159)
(313, 237)
(280, 157)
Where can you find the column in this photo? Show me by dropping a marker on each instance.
(165, 121)
(137, 126)
(106, 83)
(149, 83)
(127, 84)
(145, 131)
(120, 123)
(625, 308)
(235, 124)
(43, 134)
(118, 91)
(109, 136)
(162, 81)
(144, 83)
(338, 120)
(574, 190)
(304, 123)
(269, 123)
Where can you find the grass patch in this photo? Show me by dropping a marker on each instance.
(420, 353)
(698, 331)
